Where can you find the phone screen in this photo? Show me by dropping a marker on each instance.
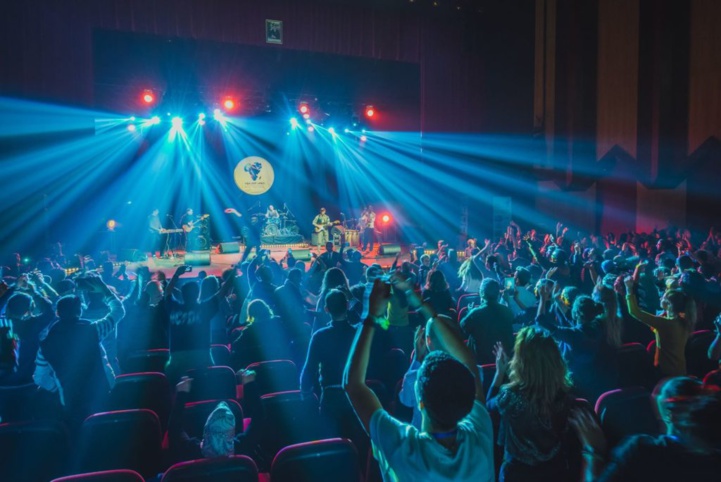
(510, 283)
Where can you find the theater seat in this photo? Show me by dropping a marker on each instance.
(624, 412)
(142, 390)
(147, 361)
(212, 383)
(237, 468)
(321, 460)
(196, 414)
(105, 476)
(288, 418)
(220, 354)
(635, 366)
(31, 451)
(275, 376)
(124, 439)
(697, 361)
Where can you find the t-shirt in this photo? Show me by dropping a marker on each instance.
(662, 458)
(405, 453)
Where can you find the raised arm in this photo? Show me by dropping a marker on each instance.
(364, 401)
(635, 311)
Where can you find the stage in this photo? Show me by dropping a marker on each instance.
(219, 261)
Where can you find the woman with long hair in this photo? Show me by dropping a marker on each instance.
(534, 408)
(471, 277)
(436, 292)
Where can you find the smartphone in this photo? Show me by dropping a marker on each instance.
(510, 284)
(188, 269)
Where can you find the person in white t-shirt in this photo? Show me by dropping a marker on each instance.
(521, 299)
(456, 440)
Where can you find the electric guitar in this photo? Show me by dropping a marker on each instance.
(192, 224)
(321, 227)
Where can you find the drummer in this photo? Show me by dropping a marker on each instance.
(272, 215)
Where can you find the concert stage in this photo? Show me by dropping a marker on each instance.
(219, 262)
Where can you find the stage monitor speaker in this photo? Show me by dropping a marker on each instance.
(133, 255)
(233, 247)
(387, 249)
(301, 254)
(197, 258)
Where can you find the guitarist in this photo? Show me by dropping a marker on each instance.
(187, 221)
(321, 222)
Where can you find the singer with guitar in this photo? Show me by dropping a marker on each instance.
(321, 223)
(158, 236)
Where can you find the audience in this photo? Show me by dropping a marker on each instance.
(581, 283)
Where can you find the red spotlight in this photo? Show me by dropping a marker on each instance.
(370, 111)
(229, 104)
(148, 96)
(303, 108)
(386, 218)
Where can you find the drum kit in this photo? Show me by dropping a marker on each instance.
(283, 225)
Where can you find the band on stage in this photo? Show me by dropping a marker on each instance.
(272, 226)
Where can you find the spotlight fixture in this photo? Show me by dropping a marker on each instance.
(304, 108)
(294, 122)
(332, 130)
(177, 122)
(386, 218)
(131, 127)
(148, 96)
(370, 111)
(111, 224)
(311, 129)
(363, 138)
(155, 120)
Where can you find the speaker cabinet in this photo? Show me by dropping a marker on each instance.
(387, 249)
(197, 258)
(226, 248)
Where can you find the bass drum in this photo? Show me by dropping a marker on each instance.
(271, 230)
(200, 243)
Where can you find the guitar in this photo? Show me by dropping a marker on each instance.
(170, 231)
(321, 227)
(192, 224)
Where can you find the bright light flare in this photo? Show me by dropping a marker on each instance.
(363, 138)
(304, 108)
(386, 218)
(155, 120)
(132, 128)
(332, 131)
(370, 111)
(229, 104)
(111, 224)
(148, 96)
(177, 122)
(294, 123)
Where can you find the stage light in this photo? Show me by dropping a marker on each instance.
(177, 122)
(346, 130)
(132, 128)
(311, 128)
(201, 116)
(332, 131)
(386, 218)
(148, 96)
(306, 116)
(155, 120)
(294, 122)
(201, 122)
(229, 104)
(303, 108)
(111, 224)
(363, 138)
(370, 111)
(132, 119)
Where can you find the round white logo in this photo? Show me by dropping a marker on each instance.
(254, 175)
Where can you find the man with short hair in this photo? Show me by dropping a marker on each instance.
(321, 223)
(456, 440)
(488, 324)
(329, 347)
(71, 360)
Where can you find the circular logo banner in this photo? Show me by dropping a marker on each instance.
(254, 175)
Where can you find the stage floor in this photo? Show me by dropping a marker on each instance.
(219, 262)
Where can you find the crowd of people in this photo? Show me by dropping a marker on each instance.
(550, 311)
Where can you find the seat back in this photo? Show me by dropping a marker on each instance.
(635, 366)
(16, 402)
(713, 378)
(196, 414)
(123, 439)
(237, 468)
(313, 461)
(142, 390)
(212, 383)
(466, 300)
(220, 354)
(275, 376)
(626, 411)
(36, 450)
(697, 361)
(288, 418)
(104, 476)
(147, 361)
